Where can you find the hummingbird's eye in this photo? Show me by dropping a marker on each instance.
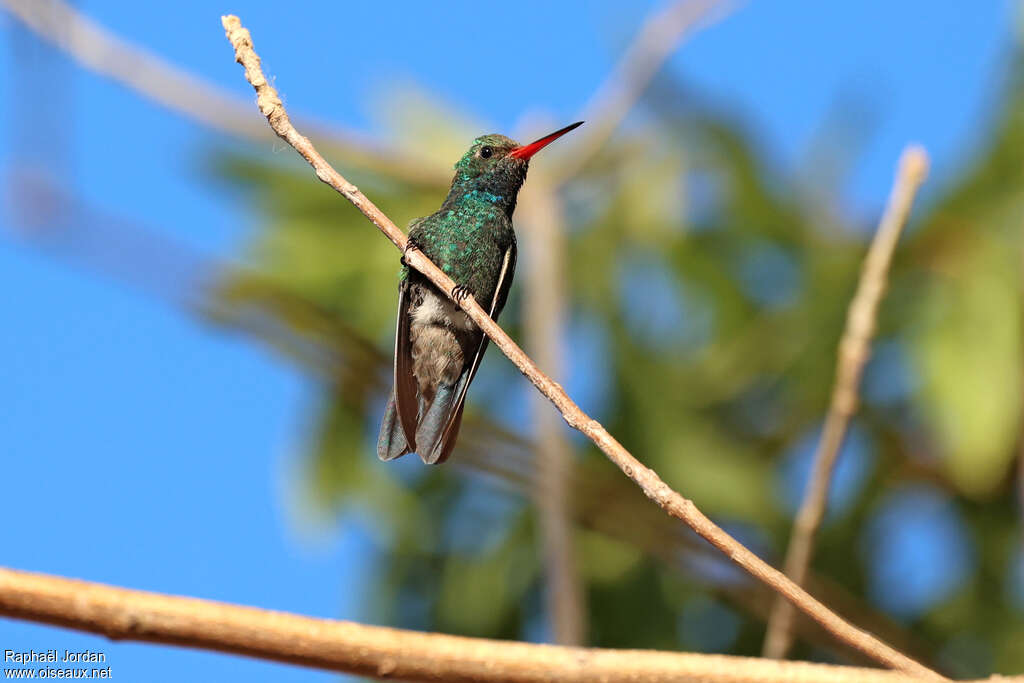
(486, 152)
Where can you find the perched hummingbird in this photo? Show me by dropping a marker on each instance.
(437, 347)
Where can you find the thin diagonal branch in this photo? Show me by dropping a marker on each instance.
(615, 98)
(854, 351)
(109, 55)
(657, 490)
(395, 654)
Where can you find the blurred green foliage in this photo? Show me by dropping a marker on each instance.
(714, 289)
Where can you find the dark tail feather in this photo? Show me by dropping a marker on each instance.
(391, 443)
(432, 423)
(448, 441)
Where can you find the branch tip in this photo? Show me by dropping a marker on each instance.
(914, 164)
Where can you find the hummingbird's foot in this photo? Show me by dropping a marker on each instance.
(460, 292)
(411, 244)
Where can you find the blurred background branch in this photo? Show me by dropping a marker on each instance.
(191, 96)
(854, 352)
(541, 218)
(660, 36)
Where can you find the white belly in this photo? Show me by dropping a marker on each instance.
(436, 310)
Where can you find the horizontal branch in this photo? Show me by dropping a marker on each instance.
(123, 614)
(652, 485)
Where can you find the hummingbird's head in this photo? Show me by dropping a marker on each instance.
(497, 165)
(490, 155)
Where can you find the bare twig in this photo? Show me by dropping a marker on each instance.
(396, 654)
(657, 490)
(854, 351)
(98, 49)
(612, 101)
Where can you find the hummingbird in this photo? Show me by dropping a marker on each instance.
(437, 346)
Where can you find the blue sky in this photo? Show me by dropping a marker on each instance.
(141, 448)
